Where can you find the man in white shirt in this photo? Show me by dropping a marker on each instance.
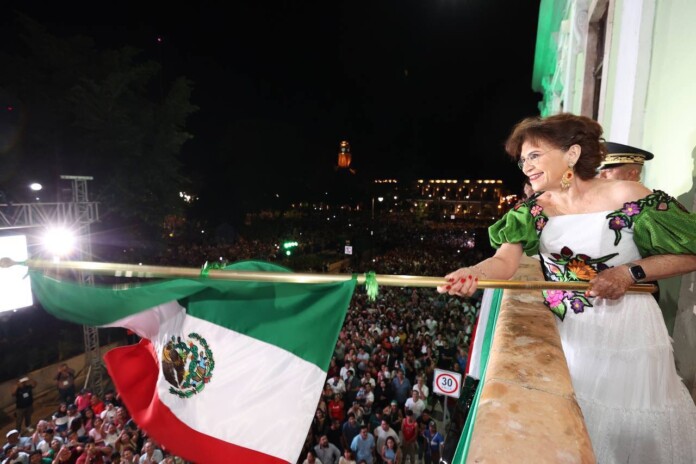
(384, 431)
(421, 388)
(415, 404)
(337, 385)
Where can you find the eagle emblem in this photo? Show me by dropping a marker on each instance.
(187, 365)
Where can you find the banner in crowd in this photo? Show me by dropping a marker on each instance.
(226, 371)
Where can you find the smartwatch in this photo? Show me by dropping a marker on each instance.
(637, 272)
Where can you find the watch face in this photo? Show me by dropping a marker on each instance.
(637, 272)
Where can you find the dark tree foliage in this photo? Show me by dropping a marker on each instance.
(101, 113)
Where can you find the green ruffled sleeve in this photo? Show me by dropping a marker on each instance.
(664, 226)
(519, 225)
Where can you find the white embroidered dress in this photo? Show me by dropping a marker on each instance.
(636, 407)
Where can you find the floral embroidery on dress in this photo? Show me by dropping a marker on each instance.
(536, 211)
(570, 267)
(624, 217)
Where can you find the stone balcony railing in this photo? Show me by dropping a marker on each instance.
(527, 412)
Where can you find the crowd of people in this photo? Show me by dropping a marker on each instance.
(84, 428)
(377, 405)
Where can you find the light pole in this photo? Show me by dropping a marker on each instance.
(380, 199)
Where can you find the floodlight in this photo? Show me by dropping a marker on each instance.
(59, 241)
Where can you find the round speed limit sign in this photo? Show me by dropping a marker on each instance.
(447, 383)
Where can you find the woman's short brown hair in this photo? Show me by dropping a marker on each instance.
(562, 130)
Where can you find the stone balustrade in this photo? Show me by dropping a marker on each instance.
(527, 412)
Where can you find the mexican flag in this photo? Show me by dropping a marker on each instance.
(226, 371)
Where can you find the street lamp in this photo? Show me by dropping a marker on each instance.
(380, 199)
(36, 188)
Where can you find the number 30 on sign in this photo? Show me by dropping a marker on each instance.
(447, 383)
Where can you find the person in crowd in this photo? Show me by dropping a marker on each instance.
(16, 455)
(401, 387)
(381, 434)
(110, 396)
(48, 437)
(337, 408)
(326, 451)
(38, 434)
(88, 417)
(36, 457)
(611, 234)
(415, 404)
(15, 439)
(109, 412)
(358, 412)
(125, 440)
(311, 458)
(391, 453)
(83, 400)
(72, 440)
(421, 388)
(434, 441)
(393, 415)
(129, 456)
(53, 449)
(383, 394)
(423, 424)
(150, 453)
(623, 162)
(334, 434)
(409, 434)
(77, 426)
(347, 458)
(91, 454)
(60, 419)
(122, 418)
(97, 431)
(353, 384)
(65, 383)
(23, 391)
(368, 400)
(111, 434)
(347, 365)
(527, 190)
(320, 425)
(349, 431)
(96, 405)
(363, 446)
(337, 385)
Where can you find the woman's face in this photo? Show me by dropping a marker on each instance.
(544, 165)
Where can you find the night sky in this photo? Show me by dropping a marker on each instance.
(419, 88)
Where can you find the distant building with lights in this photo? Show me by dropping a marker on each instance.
(448, 199)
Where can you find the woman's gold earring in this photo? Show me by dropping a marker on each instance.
(566, 178)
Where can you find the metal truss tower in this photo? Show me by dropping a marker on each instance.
(80, 213)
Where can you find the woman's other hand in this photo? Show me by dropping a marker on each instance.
(462, 282)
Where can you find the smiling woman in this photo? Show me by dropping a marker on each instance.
(611, 234)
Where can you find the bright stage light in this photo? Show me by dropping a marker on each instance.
(35, 186)
(59, 241)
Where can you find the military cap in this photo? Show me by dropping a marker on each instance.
(624, 154)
